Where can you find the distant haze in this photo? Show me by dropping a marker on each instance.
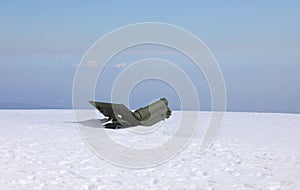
(256, 44)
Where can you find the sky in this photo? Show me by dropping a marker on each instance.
(256, 44)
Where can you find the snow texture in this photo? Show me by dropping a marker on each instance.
(42, 149)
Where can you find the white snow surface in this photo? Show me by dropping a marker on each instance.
(42, 149)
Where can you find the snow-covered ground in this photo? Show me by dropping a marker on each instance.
(42, 149)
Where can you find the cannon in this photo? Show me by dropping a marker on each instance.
(119, 116)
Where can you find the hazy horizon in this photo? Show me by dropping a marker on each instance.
(256, 45)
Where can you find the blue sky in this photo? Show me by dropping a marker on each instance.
(256, 44)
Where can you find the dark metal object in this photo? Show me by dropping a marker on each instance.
(119, 116)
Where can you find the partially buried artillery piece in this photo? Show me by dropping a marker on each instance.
(119, 116)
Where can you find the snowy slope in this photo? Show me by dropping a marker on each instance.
(42, 149)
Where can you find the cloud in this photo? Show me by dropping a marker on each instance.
(120, 65)
(91, 63)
